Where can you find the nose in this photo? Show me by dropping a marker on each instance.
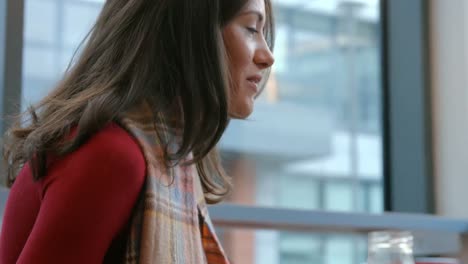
(264, 57)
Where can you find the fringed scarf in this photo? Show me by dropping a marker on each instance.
(170, 223)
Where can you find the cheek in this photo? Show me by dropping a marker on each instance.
(238, 49)
(241, 55)
(239, 65)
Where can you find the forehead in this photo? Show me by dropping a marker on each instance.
(255, 5)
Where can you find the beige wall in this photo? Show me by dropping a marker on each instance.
(449, 84)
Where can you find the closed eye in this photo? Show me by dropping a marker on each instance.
(252, 30)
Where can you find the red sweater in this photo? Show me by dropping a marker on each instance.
(79, 212)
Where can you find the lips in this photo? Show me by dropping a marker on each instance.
(254, 80)
(257, 78)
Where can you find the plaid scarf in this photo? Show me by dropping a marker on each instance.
(170, 223)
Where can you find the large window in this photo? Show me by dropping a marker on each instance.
(314, 141)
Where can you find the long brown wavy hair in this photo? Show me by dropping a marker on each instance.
(168, 54)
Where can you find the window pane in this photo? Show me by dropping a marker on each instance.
(53, 30)
(273, 247)
(40, 22)
(339, 250)
(339, 196)
(78, 19)
(314, 138)
(375, 199)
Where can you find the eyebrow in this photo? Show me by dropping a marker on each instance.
(254, 12)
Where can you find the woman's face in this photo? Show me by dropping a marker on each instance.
(249, 56)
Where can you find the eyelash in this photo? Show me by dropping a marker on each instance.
(252, 30)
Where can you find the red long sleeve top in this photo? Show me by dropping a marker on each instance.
(79, 212)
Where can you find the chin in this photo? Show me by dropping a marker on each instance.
(242, 111)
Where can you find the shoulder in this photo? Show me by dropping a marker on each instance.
(110, 154)
(112, 145)
(88, 196)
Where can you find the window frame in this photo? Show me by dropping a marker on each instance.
(407, 127)
(11, 59)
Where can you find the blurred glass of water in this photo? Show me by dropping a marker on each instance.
(390, 247)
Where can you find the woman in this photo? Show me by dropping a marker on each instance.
(120, 158)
